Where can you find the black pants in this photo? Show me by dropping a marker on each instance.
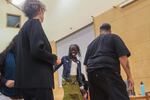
(37, 94)
(107, 85)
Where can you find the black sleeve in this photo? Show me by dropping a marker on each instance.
(56, 67)
(79, 74)
(120, 47)
(37, 44)
(3, 80)
(86, 57)
(2, 61)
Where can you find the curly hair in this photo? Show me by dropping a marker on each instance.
(77, 47)
(31, 7)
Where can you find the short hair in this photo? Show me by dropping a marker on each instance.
(105, 26)
(31, 7)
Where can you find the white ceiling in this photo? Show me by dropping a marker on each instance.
(17, 2)
(62, 15)
(66, 16)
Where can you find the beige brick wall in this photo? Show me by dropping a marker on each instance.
(132, 23)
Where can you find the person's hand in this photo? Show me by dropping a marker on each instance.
(84, 93)
(10, 83)
(58, 61)
(81, 87)
(82, 90)
(131, 83)
(85, 96)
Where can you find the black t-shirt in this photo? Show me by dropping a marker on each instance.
(104, 52)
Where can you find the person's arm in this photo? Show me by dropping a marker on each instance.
(86, 73)
(3, 80)
(56, 67)
(125, 64)
(7, 83)
(80, 78)
(38, 46)
(86, 58)
(123, 53)
(2, 60)
(81, 83)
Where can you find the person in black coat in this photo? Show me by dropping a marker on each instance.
(34, 58)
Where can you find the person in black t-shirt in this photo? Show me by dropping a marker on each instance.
(103, 58)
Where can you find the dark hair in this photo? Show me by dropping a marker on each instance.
(76, 46)
(105, 26)
(31, 7)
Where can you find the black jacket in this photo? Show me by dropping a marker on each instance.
(66, 62)
(34, 58)
(2, 60)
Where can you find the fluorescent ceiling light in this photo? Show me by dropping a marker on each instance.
(126, 2)
(17, 2)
